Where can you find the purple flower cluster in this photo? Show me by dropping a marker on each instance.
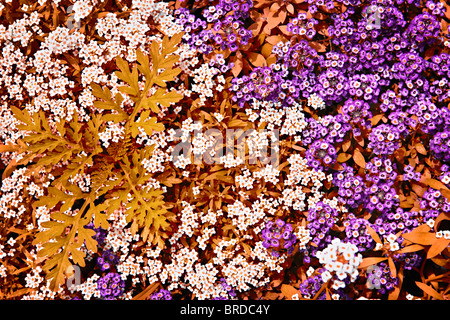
(161, 295)
(311, 286)
(382, 280)
(111, 286)
(357, 234)
(321, 155)
(357, 114)
(107, 259)
(440, 145)
(384, 139)
(321, 219)
(393, 221)
(278, 237)
(227, 21)
(410, 174)
(381, 197)
(380, 169)
(423, 27)
(433, 199)
(301, 25)
(351, 187)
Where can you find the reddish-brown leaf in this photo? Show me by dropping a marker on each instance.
(392, 268)
(421, 149)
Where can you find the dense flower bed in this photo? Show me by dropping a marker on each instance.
(122, 178)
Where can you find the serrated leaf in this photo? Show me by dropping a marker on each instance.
(166, 75)
(163, 98)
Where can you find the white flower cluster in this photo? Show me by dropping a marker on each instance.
(303, 237)
(34, 279)
(340, 258)
(89, 288)
(316, 102)
(445, 234)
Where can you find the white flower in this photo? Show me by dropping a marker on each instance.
(310, 271)
(326, 276)
(430, 223)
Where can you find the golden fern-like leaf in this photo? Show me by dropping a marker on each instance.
(144, 207)
(61, 247)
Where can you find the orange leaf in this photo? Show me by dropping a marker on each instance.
(8, 148)
(418, 189)
(424, 238)
(359, 158)
(374, 234)
(274, 40)
(146, 292)
(346, 145)
(437, 247)
(392, 268)
(288, 291)
(257, 59)
(421, 149)
(319, 47)
(435, 184)
(446, 193)
(237, 68)
(342, 157)
(429, 290)
(266, 50)
(393, 295)
(376, 119)
(370, 261)
(411, 248)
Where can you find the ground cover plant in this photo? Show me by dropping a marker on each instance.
(225, 149)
